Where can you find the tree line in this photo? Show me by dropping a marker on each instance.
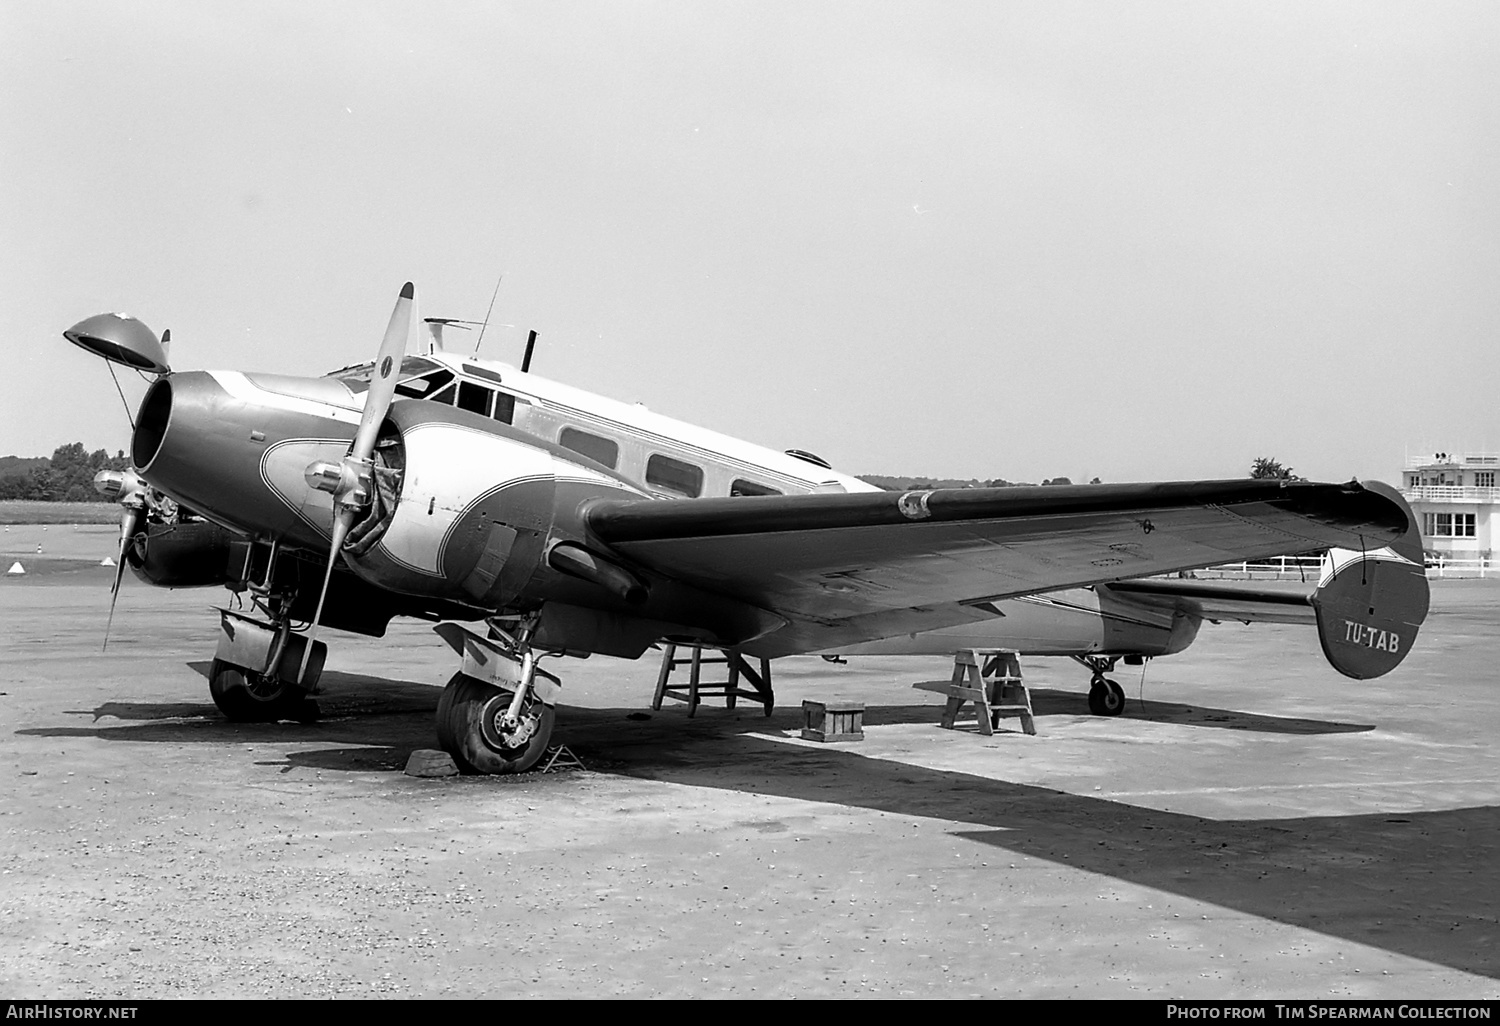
(67, 476)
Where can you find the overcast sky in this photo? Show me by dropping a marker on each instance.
(1136, 241)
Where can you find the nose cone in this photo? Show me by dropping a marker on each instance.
(237, 454)
(122, 339)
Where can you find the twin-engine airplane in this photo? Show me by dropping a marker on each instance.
(461, 490)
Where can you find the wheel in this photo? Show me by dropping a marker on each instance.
(469, 728)
(249, 697)
(1106, 698)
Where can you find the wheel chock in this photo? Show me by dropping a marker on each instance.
(429, 762)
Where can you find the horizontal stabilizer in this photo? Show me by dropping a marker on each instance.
(1370, 604)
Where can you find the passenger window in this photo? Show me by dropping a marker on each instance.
(600, 450)
(743, 487)
(505, 407)
(474, 398)
(425, 386)
(674, 476)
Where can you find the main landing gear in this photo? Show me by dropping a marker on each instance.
(257, 674)
(1106, 698)
(496, 714)
(251, 696)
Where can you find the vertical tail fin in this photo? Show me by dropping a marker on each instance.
(1369, 605)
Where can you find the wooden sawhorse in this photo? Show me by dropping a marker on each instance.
(992, 681)
(729, 690)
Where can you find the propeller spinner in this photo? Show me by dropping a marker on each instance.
(350, 480)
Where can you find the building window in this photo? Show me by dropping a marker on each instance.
(1448, 525)
(1484, 479)
(600, 450)
(674, 476)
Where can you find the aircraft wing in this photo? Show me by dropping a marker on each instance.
(844, 568)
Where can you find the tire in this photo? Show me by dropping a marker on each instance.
(1096, 700)
(1108, 700)
(245, 696)
(467, 716)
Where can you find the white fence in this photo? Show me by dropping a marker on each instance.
(1306, 568)
(1459, 568)
(1282, 568)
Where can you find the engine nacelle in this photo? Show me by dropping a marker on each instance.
(187, 555)
(479, 504)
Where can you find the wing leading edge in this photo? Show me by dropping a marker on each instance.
(845, 568)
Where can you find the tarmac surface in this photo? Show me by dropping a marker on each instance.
(1254, 825)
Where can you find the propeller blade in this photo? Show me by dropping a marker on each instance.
(130, 518)
(348, 491)
(343, 519)
(383, 380)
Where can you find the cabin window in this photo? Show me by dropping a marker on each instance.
(474, 398)
(505, 407)
(669, 475)
(425, 386)
(600, 450)
(743, 487)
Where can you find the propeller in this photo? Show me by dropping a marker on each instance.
(350, 481)
(126, 488)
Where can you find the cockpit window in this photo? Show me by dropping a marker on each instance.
(423, 387)
(505, 407)
(357, 377)
(474, 398)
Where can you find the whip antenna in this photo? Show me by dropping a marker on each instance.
(487, 313)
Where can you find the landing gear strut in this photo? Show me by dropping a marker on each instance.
(504, 727)
(1106, 698)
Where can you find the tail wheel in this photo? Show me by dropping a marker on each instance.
(246, 696)
(471, 729)
(1106, 698)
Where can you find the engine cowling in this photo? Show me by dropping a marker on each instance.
(479, 505)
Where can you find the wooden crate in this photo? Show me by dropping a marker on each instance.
(833, 721)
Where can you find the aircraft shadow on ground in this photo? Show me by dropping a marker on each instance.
(1048, 702)
(1385, 880)
(383, 720)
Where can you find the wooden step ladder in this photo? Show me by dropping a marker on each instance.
(989, 678)
(697, 689)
